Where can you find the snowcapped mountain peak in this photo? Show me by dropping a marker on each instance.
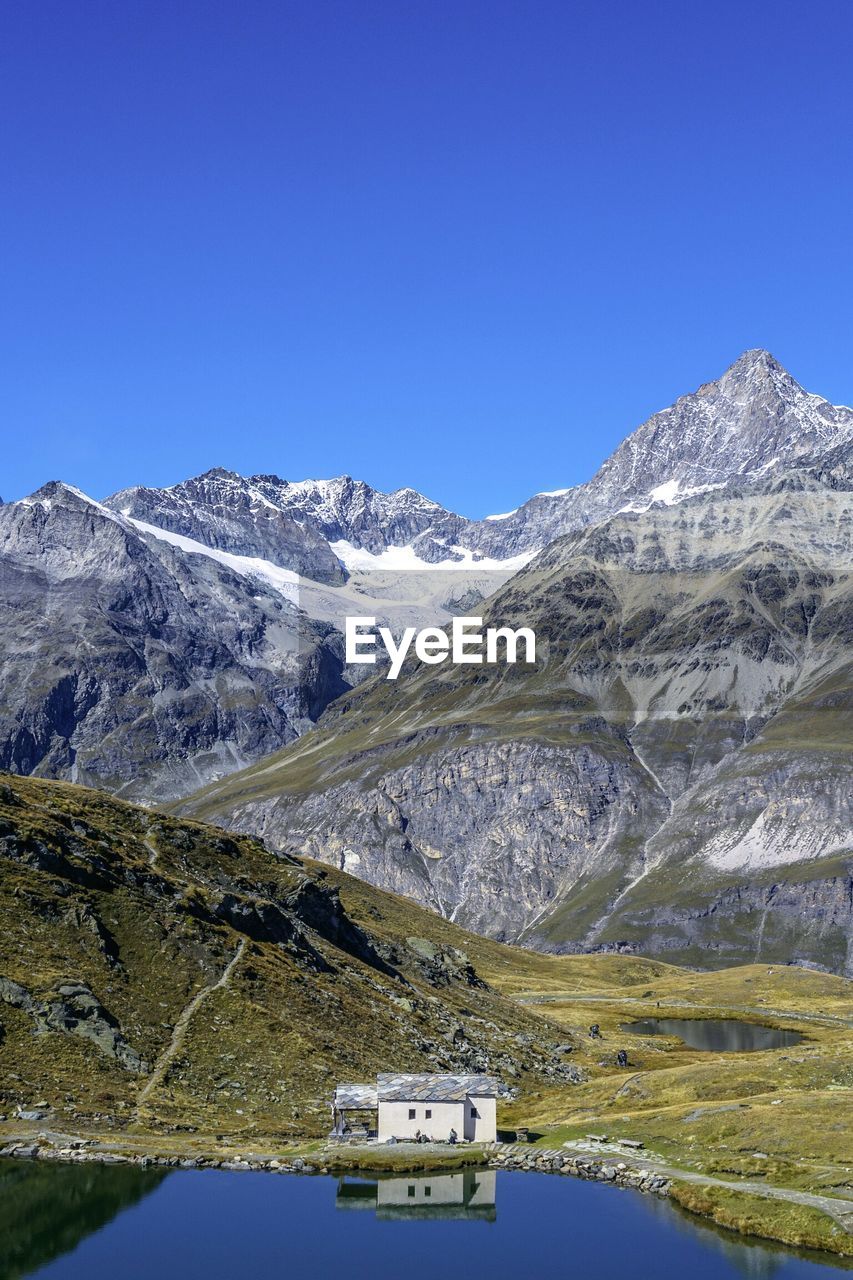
(300, 525)
(757, 359)
(347, 511)
(755, 374)
(407, 493)
(754, 417)
(219, 473)
(56, 489)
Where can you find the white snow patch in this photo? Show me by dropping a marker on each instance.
(669, 493)
(285, 581)
(766, 466)
(505, 515)
(554, 493)
(307, 486)
(666, 492)
(383, 585)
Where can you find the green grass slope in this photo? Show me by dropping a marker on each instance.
(158, 973)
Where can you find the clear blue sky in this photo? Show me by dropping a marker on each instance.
(461, 245)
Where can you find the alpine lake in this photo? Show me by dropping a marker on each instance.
(717, 1035)
(99, 1222)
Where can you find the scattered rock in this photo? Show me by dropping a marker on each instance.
(74, 1010)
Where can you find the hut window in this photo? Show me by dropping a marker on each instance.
(411, 1113)
(427, 1115)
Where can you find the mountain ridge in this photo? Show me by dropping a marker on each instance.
(128, 664)
(683, 598)
(677, 642)
(766, 415)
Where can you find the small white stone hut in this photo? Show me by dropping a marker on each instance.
(403, 1106)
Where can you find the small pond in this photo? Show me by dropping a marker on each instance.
(716, 1035)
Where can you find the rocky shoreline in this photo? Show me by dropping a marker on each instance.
(616, 1172)
(80, 1151)
(496, 1156)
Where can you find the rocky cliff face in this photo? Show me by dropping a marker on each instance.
(127, 664)
(223, 511)
(674, 768)
(486, 833)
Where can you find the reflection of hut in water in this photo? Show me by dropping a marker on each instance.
(353, 1193)
(468, 1194)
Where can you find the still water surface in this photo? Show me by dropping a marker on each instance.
(716, 1035)
(99, 1223)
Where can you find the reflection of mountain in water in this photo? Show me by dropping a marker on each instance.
(468, 1194)
(46, 1211)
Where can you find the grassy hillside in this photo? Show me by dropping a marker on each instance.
(156, 972)
(778, 1117)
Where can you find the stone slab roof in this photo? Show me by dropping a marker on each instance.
(415, 1088)
(435, 1088)
(354, 1096)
